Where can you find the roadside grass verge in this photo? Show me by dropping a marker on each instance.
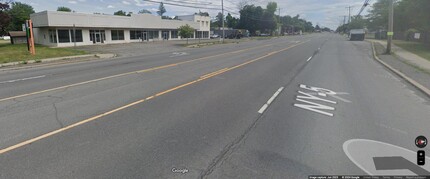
(18, 52)
(417, 48)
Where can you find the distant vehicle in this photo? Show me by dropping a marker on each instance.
(264, 35)
(6, 38)
(214, 36)
(233, 33)
(356, 34)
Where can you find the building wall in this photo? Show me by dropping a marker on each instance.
(68, 19)
(42, 35)
(47, 21)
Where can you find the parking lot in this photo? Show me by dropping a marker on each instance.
(144, 48)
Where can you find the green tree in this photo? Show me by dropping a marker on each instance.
(269, 20)
(19, 13)
(378, 15)
(120, 13)
(5, 19)
(231, 21)
(161, 9)
(357, 22)
(186, 31)
(219, 19)
(144, 11)
(64, 9)
(250, 18)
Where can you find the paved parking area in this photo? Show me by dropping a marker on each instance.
(141, 48)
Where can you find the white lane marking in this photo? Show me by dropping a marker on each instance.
(23, 79)
(392, 128)
(263, 108)
(271, 99)
(315, 107)
(309, 58)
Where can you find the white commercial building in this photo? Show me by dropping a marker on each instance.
(62, 29)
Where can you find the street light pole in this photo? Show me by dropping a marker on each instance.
(223, 32)
(390, 32)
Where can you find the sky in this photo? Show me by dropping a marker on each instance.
(325, 13)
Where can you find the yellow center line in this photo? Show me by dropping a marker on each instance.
(129, 73)
(10, 148)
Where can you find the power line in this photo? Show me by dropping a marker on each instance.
(184, 5)
(187, 2)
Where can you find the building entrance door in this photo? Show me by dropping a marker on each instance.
(165, 35)
(145, 36)
(97, 36)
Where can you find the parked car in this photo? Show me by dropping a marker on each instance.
(214, 36)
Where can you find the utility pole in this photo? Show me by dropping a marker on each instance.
(279, 21)
(223, 32)
(390, 32)
(349, 12)
(344, 19)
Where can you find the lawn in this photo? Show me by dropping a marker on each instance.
(417, 48)
(13, 53)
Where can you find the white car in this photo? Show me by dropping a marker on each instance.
(214, 36)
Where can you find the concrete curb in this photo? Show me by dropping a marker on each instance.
(409, 80)
(57, 59)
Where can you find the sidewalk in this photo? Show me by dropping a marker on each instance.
(408, 57)
(410, 65)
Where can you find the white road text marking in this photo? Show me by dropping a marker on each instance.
(309, 100)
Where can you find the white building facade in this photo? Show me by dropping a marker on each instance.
(64, 29)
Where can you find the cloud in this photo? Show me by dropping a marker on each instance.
(82, 0)
(126, 2)
(110, 6)
(140, 4)
(73, 2)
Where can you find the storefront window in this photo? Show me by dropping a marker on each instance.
(117, 34)
(63, 36)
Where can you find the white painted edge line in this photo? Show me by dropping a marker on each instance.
(309, 58)
(23, 79)
(271, 99)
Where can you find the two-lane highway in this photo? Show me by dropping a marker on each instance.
(251, 110)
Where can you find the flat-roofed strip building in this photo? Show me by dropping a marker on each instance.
(62, 29)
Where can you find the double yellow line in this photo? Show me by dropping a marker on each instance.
(129, 73)
(204, 77)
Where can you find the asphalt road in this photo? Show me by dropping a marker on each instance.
(279, 108)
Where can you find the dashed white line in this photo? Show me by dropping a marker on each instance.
(22, 79)
(264, 107)
(309, 58)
